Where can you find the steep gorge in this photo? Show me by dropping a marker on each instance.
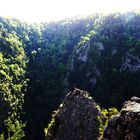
(41, 63)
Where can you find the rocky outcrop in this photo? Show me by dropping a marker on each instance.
(78, 118)
(82, 52)
(131, 63)
(125, 125)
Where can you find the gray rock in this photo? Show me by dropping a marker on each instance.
(76, 118)
(82, 52)
(130, 63)
(125, 125)
(100, 46)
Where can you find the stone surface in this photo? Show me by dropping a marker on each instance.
(125, 125)
(131, 63)
(76, 119)
(82, 52)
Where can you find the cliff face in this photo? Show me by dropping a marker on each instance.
(125, 125)
(106, 62)
(78, 118)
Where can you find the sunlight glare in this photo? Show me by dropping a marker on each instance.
(53, 10)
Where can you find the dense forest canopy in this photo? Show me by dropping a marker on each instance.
(40, 63)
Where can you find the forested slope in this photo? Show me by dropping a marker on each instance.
(13, 82)
(106, 62)
(40, 63)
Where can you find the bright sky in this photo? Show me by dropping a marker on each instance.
(48, 10)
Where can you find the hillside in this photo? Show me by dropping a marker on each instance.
(40, 63)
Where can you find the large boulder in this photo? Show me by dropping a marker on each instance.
(125, 125)
(78, 118)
